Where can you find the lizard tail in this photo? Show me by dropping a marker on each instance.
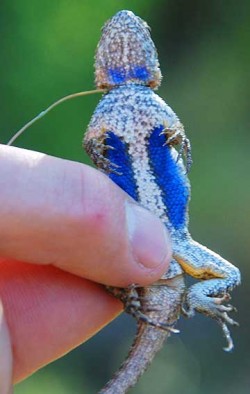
(148, 341)
(140, 356)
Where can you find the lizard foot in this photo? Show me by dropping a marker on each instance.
(96, 150)
(134, 305)
(214, 308)
(143, 317)
(176, 136)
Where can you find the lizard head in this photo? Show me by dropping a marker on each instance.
(126, 53)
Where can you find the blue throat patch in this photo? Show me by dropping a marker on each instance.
(119, 75)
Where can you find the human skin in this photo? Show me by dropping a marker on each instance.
(65, 229)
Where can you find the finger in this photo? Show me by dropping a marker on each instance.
(5, 356)
(49, 312)
(59, 212)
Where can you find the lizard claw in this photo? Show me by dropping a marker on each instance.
(226, 332)
(176, 136)
(213, 307)
(140, 316)
(96, 149)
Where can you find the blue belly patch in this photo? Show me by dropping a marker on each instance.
(170, 177)
(119, 156)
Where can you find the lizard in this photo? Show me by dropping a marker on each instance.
(139, 142)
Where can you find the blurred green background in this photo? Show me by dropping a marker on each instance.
(47, 50)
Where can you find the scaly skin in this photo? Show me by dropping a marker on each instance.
(132, 137)
(166, 299)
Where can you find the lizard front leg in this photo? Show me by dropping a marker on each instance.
(97, 149)
(175, 135)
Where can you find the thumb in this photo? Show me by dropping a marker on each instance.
(64, 213)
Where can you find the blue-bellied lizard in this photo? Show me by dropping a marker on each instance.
(132, 136)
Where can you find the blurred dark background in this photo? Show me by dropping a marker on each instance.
(47, 50)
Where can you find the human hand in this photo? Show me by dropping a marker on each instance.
(64, 227)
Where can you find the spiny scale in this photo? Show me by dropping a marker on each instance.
(132, 137)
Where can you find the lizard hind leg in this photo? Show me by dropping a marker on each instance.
(218, 278)
(138, 304)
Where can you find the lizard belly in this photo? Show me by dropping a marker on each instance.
(145, 172)
(130, 119)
